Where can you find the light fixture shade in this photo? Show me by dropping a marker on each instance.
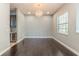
(29, 12)
(39, 13)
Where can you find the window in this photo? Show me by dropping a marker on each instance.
(77, 21)
(62, 23)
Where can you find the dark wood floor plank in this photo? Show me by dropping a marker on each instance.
(38, 47)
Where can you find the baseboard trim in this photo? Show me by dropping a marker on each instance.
(10, 47)
(21, 40)
(4, 51)
(69, 48)
(37, 36)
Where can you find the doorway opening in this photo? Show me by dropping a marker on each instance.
(13, 27)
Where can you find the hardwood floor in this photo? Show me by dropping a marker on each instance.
(38, 47)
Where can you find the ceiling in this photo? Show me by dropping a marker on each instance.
(31, 8)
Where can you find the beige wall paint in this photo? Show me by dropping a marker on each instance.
(33, 26)
(38, 26)
(4, 26)
(72, 39)
(20, 24)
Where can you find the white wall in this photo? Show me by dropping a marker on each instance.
(72, 39)
(32, 26)
(4, 26)
(20, 24)
(37, 26)
(77, 17)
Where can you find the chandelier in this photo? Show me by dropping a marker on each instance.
(38, 11)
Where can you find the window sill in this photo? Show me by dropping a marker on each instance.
(62, 33)
(77, 32)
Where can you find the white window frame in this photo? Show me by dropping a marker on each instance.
(77, 22)
(62, 23)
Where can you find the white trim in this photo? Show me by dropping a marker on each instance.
(69, 48)
(21, 40)
(5, 50)
(37, 36)
(10, 46)
(62, 33)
